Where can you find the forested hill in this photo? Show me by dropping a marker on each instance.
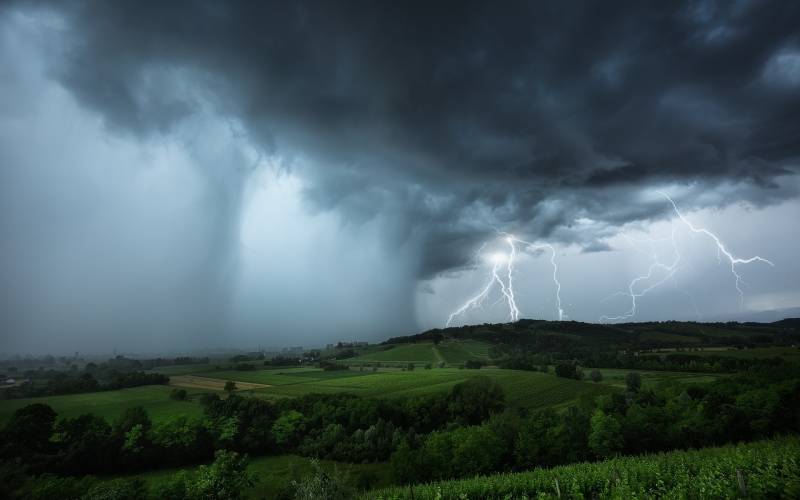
(555, 335)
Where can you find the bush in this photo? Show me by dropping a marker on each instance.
(473, 364)
(321, 484)
(633, 381)
(117, 489)
(178, 394)
(566, 370)
(225, 479)
(596, 376)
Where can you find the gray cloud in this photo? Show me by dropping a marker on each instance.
(433, 111)
(447, 122)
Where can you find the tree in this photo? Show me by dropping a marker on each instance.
(476, 450)
(225, 479)
(537, 442)
(474, 400)
(132, 417)
(86, 444)
(179, 394)
(410, 367)
(566, 370)
(633, 381)
(605, 437)
(288, 428)
(596, 376)
(230, 386)
(28, 431)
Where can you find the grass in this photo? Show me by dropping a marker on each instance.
(275, 473)
(451, 351)
(768, 469)
(111, 404)
(422, 352)
(457, 352)
(522, 388)
(285, 376)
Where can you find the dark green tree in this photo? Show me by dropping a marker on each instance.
(633, 381)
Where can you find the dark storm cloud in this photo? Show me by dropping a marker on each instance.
(456, 119)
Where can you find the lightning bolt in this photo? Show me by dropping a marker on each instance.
(671, 269)
(721, 249)
(657, 264)
(539, 246)
(509, 292)
(476, 301)
(506, 286)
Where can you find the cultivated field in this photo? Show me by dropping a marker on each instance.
(210, 384)
(452, 352)
(768, 469)
(616, 377)
(522, 388)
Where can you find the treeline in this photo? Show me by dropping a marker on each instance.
(518, 359)
(226, 478)
(761, 403)
(464, 432)
(337, 426)
(59, 382)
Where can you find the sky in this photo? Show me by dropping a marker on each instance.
(179, 176)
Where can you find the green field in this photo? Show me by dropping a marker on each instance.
(457, 352)
(451, 352)
(768, 469)
(422, 352)
(788, 353)
(111, 404)
(275, 473)
(616, 377)
(522, 388)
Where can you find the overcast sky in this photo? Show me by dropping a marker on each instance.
(188, 175)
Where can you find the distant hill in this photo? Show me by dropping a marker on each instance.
(545, 336)
(767, 316)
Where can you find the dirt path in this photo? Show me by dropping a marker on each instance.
(195, 382)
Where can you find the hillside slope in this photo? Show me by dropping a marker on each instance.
(768, 469)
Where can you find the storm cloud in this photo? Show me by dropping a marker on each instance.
(443, 123)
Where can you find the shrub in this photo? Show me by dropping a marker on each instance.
(178, 394)
(633, 381)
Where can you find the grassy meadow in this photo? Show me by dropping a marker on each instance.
(522, 388)
(452, 352)
(110, 404)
